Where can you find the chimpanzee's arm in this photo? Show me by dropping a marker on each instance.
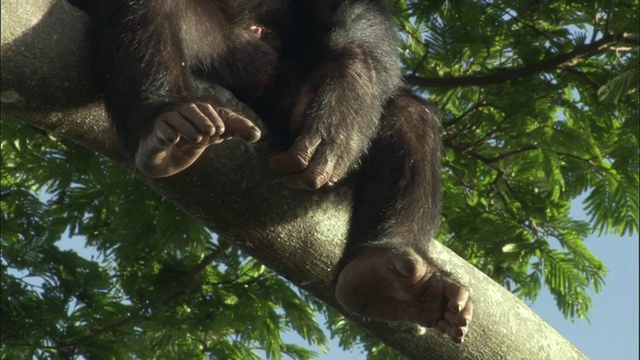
(339, 107)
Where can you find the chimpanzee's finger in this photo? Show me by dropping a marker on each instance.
(315, 176)
(212, 118)
(239, 126)
(296, 158)
(190, 122)
(163, 136)
(181, 125)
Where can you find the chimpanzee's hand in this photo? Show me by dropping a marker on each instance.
(326, 149)
(180, 136)
(311, 163)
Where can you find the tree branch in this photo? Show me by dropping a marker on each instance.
(45, 82)
(188, 281)
(503, 75)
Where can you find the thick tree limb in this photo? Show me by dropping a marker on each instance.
(45, 83)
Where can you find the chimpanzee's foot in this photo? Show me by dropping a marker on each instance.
(399, 285)
(179, 137)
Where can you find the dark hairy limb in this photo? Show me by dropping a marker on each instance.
(147, 63)
(337, 111)
(386, 272)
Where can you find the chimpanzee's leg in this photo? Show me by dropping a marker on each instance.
(385, 272)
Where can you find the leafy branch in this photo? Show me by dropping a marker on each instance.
(180, 288)
(504, 75)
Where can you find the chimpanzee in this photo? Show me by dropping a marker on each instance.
(324, 76)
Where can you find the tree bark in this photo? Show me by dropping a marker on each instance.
(45, 82)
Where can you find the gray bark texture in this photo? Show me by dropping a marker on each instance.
(45, 82)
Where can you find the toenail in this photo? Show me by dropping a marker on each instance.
(457, 307)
